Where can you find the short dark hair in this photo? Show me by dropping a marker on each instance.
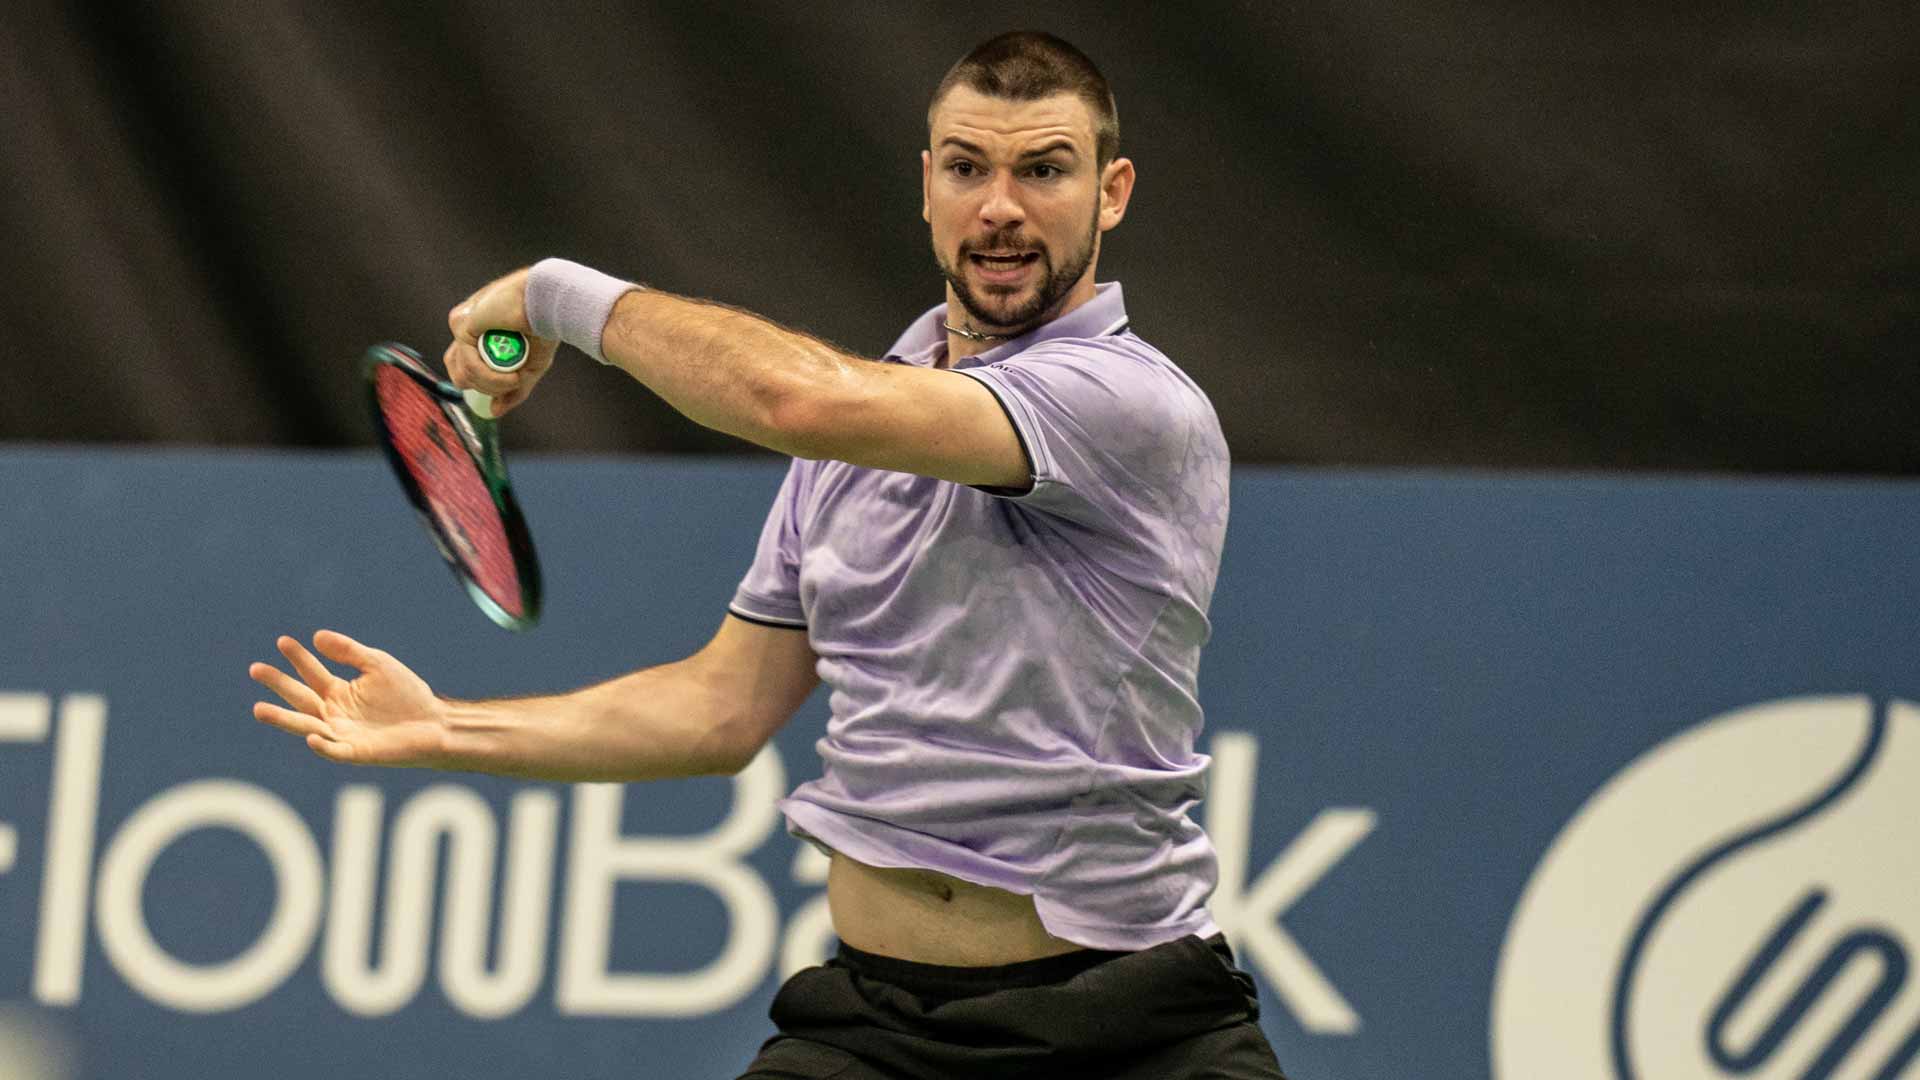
(1027, 65)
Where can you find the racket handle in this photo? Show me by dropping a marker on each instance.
(503, 350)
(480, 404)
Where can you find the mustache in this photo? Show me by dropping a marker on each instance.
(1002, 242)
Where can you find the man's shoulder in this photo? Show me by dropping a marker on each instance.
(1123, 360)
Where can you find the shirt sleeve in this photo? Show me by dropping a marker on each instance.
(1106, 428)
(770, 591)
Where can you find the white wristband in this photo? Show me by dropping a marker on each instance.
(571, 302)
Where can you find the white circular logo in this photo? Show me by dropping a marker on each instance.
(1741, 901)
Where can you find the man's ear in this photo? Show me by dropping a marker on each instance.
(1116, 187)
(926, 189)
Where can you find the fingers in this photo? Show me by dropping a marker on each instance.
(289, 721)
(337, 646)
(460, 320)
(332, 749)
(502, 403)
(291, 690)
(505, 402)
(306, 665)
(457, 317)
(467, 371)
(498, 305)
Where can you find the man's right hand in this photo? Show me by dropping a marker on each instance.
(386, 716)
(498, 305)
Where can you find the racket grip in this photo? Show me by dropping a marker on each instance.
(503, 350)
(480, 404)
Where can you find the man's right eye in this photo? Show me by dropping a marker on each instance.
(962, 167)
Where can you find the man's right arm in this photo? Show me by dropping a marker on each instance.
(708, 714)
(737, 372)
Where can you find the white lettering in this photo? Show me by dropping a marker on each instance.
(535, 821)
(461, 816)
(362, 988)
(1252, 916)
(72, 813)
(121, 922)
(600, 858)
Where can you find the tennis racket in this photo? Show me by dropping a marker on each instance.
(444, 446)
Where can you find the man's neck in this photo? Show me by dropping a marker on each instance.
(961, 346)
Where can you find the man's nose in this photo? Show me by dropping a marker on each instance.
(1001, 207)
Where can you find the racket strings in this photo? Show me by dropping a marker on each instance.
(456, 492)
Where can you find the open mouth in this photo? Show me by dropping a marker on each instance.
(1002, 267)
(1003, 260)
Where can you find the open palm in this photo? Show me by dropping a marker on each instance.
(386, 716)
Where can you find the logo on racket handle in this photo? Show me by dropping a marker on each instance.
(503, 350)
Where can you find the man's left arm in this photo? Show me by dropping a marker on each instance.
(736, 372)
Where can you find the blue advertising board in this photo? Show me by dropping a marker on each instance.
(1515, 777)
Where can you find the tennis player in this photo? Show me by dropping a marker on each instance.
(996, 545)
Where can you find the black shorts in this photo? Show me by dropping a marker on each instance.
(1175, 1011)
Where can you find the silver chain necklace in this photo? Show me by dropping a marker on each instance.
(975, 335)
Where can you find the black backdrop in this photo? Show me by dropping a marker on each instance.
(1376, 231)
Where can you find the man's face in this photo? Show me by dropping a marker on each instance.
(1017, 204)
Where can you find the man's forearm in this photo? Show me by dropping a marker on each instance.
(728, 369)
(653, 724)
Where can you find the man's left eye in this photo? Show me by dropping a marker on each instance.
(1046, 172)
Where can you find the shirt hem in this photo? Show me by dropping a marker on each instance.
(762, 620)
(829, 831)
(1026, 428)
(753, 614)
(1110, 936)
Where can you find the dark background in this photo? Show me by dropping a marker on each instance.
(1490, 234)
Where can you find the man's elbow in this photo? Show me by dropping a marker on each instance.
(737, 746)
(805, 423)
(821, 411)
(736, 734)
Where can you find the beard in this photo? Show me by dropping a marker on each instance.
(1054, 281)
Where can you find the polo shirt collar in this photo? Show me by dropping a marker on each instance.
(926, 336)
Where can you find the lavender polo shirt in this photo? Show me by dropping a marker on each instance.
(1013, 675)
